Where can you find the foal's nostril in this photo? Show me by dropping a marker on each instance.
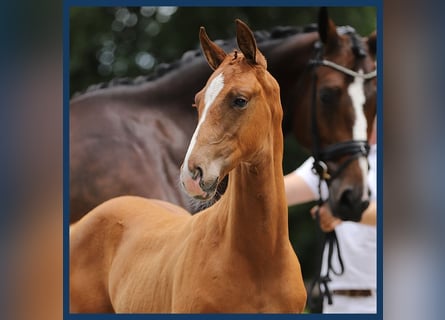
(197, 173)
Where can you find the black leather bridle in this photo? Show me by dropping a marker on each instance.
(352, 148)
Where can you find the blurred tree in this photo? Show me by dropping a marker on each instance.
(108, 42)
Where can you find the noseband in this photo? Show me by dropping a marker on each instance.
(353, 148)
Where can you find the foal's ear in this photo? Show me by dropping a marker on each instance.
(372, 44)
(246, 41)
(214, 54)
(327, 30)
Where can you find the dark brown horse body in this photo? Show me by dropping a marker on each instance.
(131, 139)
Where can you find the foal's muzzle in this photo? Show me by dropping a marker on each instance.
(195, 185)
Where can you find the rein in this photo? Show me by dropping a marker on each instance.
(354, 149)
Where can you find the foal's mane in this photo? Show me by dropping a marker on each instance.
(261, 36)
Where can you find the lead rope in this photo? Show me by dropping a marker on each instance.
(315, 302)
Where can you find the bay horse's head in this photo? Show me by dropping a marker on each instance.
(343, 107)
(236, 109)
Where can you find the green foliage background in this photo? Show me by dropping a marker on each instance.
(117, 36)
(109, 42)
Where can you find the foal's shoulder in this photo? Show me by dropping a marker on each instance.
(131, 213)
(135, 205)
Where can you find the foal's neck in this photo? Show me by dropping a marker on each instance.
(255, 204)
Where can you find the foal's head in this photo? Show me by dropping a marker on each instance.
(238, 109)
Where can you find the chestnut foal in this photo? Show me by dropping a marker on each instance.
(137, 255)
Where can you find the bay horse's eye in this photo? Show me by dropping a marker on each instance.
(239, 103)
(329, 96)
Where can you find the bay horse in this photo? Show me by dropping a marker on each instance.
(131, 138)
(138, 255)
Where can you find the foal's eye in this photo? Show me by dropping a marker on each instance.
(239, 103)
(329, 96)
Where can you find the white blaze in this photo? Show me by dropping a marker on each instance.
(210, 95)
(359, 131)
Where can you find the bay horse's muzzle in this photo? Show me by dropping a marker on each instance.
(350, 206)
(348, 201)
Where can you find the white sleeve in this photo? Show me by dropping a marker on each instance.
(311, 179)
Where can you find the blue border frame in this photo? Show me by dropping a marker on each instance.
(66, 155)
(255, 3)
(380, 145)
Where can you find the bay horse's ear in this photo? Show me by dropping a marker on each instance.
(246, 41)
(213, 53)
(327, 30)
(372, 44)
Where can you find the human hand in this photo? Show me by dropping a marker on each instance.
(327, 221)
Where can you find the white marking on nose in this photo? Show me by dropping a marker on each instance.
(359, 131)
(215, 87)
(357, 94)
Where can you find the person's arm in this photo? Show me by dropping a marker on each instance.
(328, 222)
(297, 190)
(302, 184)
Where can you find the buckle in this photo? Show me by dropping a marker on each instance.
(321, 169)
